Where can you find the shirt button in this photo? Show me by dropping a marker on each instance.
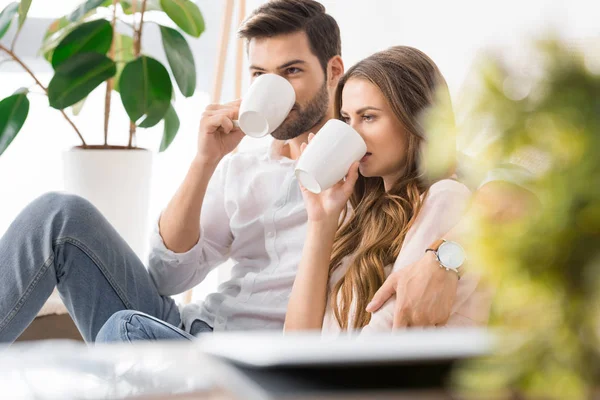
(270, 234)
(220, 320)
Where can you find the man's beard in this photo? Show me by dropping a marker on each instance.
(307, 116)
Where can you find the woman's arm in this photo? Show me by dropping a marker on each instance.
(308, 300)
(306, 307)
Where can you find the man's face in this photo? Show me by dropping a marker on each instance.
(290, 57)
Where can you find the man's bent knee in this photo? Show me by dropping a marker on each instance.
(69, 204)
(115, 328)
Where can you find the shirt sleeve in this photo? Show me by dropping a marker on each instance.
(174, 273)
(442, 209)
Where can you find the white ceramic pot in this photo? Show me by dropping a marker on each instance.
(117, 182)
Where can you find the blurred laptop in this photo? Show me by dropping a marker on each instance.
(269, 365)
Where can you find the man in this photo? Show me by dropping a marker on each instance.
(245, 206)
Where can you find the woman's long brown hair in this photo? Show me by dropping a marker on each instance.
(379, 220)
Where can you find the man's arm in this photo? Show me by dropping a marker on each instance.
(184, 248)
(180, 222)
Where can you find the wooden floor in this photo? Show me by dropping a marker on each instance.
(51, 327)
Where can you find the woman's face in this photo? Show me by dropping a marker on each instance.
(365, 108)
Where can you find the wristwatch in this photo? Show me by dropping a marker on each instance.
(450, 255)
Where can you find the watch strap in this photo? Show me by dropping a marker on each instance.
(435, 245)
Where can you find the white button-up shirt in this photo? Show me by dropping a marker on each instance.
(253, 213)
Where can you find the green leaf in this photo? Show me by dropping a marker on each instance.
(23, 10)
(151, 5)
(185, 14)
(180, 59)
(124, 53)
(77, 77)
(146, 91)
(58, 30)
(61, 27)
(13, 113)
(84, 8)
(90, 37)
(171, 127)
(6, 17)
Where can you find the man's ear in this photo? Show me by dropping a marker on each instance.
(335, 70)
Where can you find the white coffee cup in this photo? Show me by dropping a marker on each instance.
(328, 157)
(266, 105)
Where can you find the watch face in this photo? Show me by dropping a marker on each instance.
(451, 255)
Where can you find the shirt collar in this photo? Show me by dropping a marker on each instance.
(276, 151)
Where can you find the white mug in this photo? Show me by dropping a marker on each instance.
(328, 157)
(266, 105)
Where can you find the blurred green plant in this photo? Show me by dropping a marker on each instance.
(545, 267)
(86, 50)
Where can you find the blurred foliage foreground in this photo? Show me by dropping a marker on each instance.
(546, 266)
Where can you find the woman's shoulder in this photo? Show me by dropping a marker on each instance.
(448, 196)
(448, 187)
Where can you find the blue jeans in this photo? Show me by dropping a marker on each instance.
(130, 326)
(63, 241)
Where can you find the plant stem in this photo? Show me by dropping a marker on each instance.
(110, 82)
(22, 64)
(131, 123)
(137, 48)
(131, 132)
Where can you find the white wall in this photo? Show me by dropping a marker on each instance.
(451, 32)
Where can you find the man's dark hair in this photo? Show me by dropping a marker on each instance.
(280, 17)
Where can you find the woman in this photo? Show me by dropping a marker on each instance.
(391, 213)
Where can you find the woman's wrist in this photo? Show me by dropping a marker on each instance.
(325, 219)
(317, 248)
(323, 227)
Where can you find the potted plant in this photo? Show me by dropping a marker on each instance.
(87, 49)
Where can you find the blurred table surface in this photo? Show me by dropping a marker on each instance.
(147, 371)
(218, 394)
